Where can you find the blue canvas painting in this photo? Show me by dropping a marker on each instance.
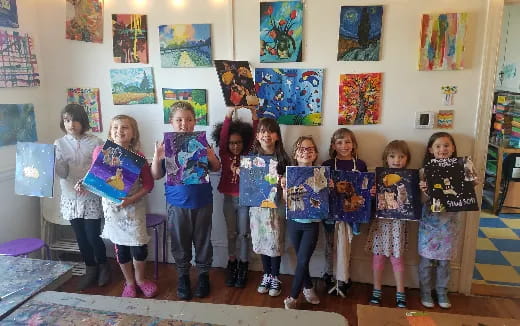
(8, 14)
(258, 181)
(34, 169)
(114, 172)
(350, 199)
(291, 96)
(186, 158)
(360, 33)
(17, 123)
(307, 192)
(398, 194)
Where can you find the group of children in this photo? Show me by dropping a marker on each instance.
(190, 209)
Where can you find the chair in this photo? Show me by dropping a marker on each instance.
(23, 247)
(154, 221)
(510, 172)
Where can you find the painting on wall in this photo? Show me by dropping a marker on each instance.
(359, 99)
(291, 96)
(84, 20)
(196, 97)
(398, 195)
(258, 181)
(17, 124)
(450, 183)
(281, 30)
(132, 86)
(34, 175)
(114, 172)
(236, 82)
(186, 158)
(360, 33)
(185, 45)
(130, 38)
(350, 197)
(445, 119)
(307, 192)
(89, 99)
(18, 66)
(442, 41)
(8, 14)
(448, 93)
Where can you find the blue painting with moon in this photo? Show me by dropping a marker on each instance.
(398, 194)
(307, 192)
(258, 181)
(34, 174)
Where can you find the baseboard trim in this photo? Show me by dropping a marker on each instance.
(495, 290)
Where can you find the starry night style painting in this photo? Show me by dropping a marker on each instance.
(350, 199)
(307, 192)
(450, 183)
(186, 158)
(258, 181)
(34, 169)
(114, 172)
(398, 194)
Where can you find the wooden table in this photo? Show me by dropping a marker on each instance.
(83, 309)
(28, 277)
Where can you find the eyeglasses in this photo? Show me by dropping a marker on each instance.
(232, 143)
(309, 150)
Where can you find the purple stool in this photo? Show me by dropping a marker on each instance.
(23, 247)
(153, 221)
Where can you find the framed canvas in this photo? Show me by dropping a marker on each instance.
(258, 181)
(17, 123)
(445, 119)
(18, 66)
(359, 99)
(185, 45)
(291, 96)
(89, 99)
(196, 97)
(132, 86)
(186, 157)
(130, 38)
(84, 20)
(307, 192)
(114, 172)
(398, 195)
(34, 175)
(350, 199)
(424, 119)
(450, 183)
(237, 83)
(8, 14)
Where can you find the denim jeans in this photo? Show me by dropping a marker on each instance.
(237, 222)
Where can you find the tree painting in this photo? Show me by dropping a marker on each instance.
(132, 86)
(130, 38)
(359, 99)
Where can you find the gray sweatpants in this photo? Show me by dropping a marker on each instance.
(427, 267)
(189, 226)
(237, 222)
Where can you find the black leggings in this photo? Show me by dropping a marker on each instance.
(304, 237)
(90, 245)
(271, 264)
(126, 253)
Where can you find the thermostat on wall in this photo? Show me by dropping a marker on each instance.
(424, 119)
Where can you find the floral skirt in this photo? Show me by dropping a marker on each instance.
(267, 231)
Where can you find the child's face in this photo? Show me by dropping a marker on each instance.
(72, 127)
(442, 148)
(306, 153)
(267, 139)
(396, 160)
(183, 121)
(122, 132)
(235, 144)
(343, 147)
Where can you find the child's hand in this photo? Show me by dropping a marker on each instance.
(476, 181)
(159, 150)
(253, 110)
(283, 184)
(423, 186)
(126, 201)
(79, 187)
(373, 191)
(230, 111)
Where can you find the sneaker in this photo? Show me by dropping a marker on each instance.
(243, 267)
(343, 287)
(290, 303)
(426, 300)
(276, 286)
(265, 284)
(184, 287)
(104, 274)
(129, 291)
(148, 288)
(400, 298)
(310, 296)
(231, 273)
(443, 300)
(376, 298)
(329, 281)
(203, 287)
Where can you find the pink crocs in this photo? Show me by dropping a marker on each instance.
(129, 291)
(148, 288)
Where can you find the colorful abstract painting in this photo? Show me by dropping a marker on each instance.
(350, 199)
(84, 20)
(17, 123)
(360, 33)
(18, 66)
(196, 97)
(398, 194)
(307, 192)
(359, 99)
(89, 99)
(186, 158)
(130, 38)
(258, 181)
(114, 172)
(442, 41)
(132, 86)
(185, 45)
(236, 82)
(281, 30)
(8, 14)
(450, 183)
(291, 96)
(34, 174)
(445, 119)
(448, 93)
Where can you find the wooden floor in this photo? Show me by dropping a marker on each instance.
(359, 294)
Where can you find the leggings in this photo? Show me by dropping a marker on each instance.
(90, 245)
(304, 237)
(271, 264)
(378, 263)
(126, 253)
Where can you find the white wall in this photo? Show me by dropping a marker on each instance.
(67, 63)
(509, 53)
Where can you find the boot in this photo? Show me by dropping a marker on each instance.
(231, 273)
(88, 279)
(242, 274)
(184, 287)
(104, 274)
(202, 290)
